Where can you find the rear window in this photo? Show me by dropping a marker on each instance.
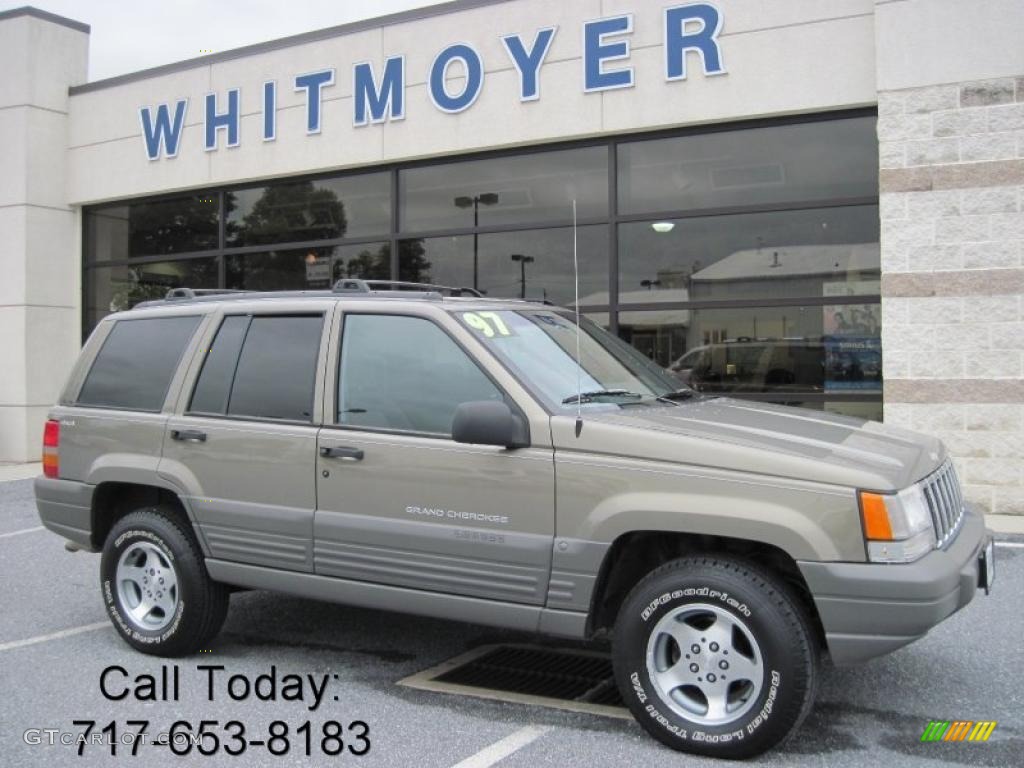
(136, 363)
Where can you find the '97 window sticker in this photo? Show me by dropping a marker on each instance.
(489, 325)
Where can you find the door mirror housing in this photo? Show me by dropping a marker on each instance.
(489, 422)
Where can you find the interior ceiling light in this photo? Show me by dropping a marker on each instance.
(662, 227)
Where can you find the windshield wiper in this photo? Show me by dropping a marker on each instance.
(589, 397)
(680, 394)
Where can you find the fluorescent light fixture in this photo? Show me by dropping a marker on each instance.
(661, 227)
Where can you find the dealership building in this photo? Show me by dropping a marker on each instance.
(818, 204)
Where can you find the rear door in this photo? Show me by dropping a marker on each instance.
(400, 502)
(243, 440)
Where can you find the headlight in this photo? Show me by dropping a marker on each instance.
(897, 526)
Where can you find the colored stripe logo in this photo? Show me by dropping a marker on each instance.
(958, 730)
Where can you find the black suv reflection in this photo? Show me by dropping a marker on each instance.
(747, 365)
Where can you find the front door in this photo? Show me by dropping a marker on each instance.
(401, 503)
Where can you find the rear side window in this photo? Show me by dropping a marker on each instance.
(136, 363)
(214, 386)
(261, 367)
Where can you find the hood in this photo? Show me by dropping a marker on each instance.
(758, 438)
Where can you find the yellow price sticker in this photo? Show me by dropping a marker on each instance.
(489, 324)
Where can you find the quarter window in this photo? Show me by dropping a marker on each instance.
(405, 373)
(134, 367)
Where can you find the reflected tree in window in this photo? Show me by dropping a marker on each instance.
(178, 225)
(413, 265)
(367, 264)
(289, 213)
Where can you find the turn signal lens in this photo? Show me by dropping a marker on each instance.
(877, 526)
(897, 526)
(51, 442)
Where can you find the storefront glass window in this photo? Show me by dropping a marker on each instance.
(825, 160)
(114, 289)
(519, 189)
(181, 224)
(301, 211)
(537, 264)
(791, 254)
(745, 259)
(307, 268)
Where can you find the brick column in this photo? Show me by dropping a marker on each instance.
(952, 208)
(41, 55)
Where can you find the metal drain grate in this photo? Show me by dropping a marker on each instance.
(576, 680)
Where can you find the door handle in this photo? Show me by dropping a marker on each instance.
(192, 435)
(342, 452)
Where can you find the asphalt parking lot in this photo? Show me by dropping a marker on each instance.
(967, 669)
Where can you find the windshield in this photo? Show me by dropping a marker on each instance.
(539, 346)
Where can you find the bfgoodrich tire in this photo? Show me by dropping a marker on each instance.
(155, 586)
(713, 656)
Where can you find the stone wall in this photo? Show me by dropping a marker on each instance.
(952, 209)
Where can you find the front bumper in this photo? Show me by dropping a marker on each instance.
(870, 609)
(65, 507)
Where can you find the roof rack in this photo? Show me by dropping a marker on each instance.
(178, 294)
(358, 285)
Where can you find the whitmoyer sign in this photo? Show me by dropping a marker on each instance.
(379, 94)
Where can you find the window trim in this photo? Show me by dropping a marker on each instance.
(331, 421)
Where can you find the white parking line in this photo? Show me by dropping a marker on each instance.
(499, 750)
(53, 636)
(23, 530)
(1014, 544)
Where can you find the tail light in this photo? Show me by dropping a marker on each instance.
(51, 441)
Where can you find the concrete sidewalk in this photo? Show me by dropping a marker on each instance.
(20, 471)
(1005, 524)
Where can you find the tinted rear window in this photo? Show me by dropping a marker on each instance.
(276, 370)
(136, 363)
(214, 385)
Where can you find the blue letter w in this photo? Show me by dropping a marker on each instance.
(164, 133)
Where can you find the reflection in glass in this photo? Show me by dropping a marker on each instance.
(308, 268)
(764, 350)
(776, 164)
(511, 190)
(819, 252)
(174, 225)
(449, 261)
(320, 209)
(114, 289)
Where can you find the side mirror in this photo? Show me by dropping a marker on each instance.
(489, 422)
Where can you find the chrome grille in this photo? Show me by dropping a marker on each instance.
(945, 502)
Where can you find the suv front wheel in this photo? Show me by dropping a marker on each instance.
(713, 656)
(155, 586)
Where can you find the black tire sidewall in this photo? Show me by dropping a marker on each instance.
(789, 665)
(148, 525)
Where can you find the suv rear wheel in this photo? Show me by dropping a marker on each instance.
(713, 656)
(155, 585)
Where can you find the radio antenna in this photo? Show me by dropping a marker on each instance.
(579, 360)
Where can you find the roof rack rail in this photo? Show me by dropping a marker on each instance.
(358, 285)
(177, 294)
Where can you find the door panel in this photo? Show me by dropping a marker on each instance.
(432, 514)
(250, 486)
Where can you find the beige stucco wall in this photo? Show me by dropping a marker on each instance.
(40, 274)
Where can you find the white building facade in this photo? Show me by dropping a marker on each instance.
(817, 204)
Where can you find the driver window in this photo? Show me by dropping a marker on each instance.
(405, 373)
